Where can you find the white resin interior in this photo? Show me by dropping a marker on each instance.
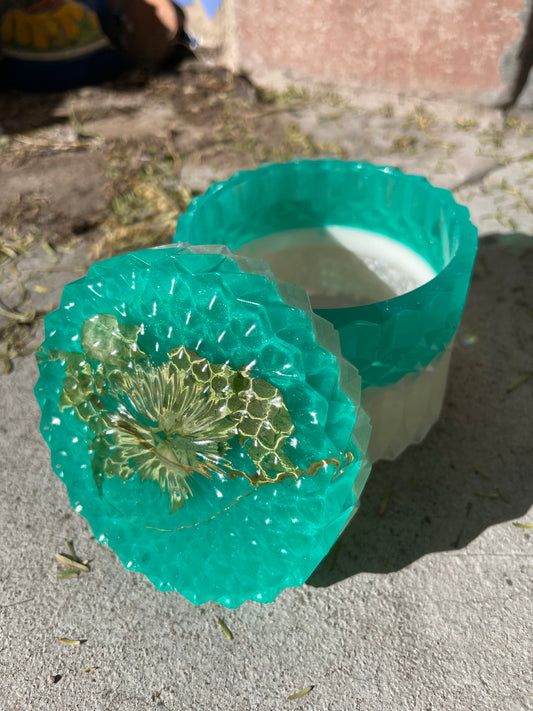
(342, 266)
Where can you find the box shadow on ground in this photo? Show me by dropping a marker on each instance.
(473, 470)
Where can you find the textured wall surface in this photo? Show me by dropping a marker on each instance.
(437, 45)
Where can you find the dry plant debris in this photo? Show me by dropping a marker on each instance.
(299, 694)
(225, 629)
(72, 566)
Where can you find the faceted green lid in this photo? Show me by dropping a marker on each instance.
(203, 421)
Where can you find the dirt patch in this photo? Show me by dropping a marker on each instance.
(144, 123)
(109, 169)
(59, 195)
(120, 162)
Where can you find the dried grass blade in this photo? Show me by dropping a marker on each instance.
(225, 628)
(384, 502)
(72, 564)
(299, 694)
(64, 574)
(72, 552)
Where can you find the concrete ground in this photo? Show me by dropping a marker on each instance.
(425, 603)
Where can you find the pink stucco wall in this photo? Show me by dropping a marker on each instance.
(436, 45)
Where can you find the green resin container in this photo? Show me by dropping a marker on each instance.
(400, 340)
(203, 421)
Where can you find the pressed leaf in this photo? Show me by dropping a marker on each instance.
(77, 389)
(522, 525)
(106, 340)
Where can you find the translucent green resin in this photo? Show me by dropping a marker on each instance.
(200, 424)
(385, 340)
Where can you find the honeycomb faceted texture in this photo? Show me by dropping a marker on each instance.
(230, 540)
(385, 340)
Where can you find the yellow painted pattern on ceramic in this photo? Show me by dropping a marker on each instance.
(72, 23)
(22, 29)
(7, 28)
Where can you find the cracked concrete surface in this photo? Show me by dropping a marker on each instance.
(424, 603)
